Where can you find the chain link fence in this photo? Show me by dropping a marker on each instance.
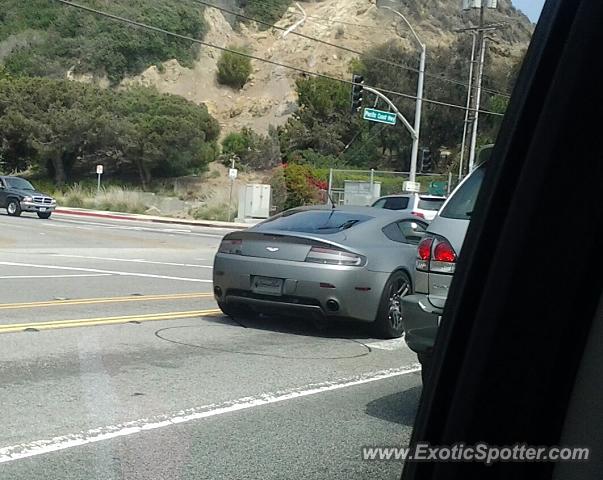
(363, 187)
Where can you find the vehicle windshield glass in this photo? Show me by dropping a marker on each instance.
(463, 200)
(315, 221)
(19, 183)
(426, 203)
(392, 203)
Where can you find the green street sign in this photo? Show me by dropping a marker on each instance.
(380, 116)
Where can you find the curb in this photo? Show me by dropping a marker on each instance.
(148, 218)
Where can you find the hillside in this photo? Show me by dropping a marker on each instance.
(45, 38)
(358, 25)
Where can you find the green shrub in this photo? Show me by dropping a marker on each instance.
(236, 143)
(254, 151)
(233, 69)
(301, 186)
(215, 213)
(266, 10)
(55, 37)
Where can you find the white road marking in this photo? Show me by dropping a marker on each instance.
(132, 260)
(112, 272)
(147, 229)
(39, 447)
(5, 277)
(394, 344)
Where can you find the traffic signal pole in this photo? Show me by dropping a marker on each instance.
(418, 111)
(416, 130)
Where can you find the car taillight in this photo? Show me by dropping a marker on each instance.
(232, 246)
(418, 214)
(444, 257)
(424, 253)
(333, 256)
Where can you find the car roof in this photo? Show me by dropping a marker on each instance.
(421, 195)
(371, 211)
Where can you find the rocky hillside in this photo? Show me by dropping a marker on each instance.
(269, 98)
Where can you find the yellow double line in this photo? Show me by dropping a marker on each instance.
(88, 322)
(92, 301)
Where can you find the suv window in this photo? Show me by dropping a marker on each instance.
(392, 203)
(314, 221)
(460, 205)
(426, 203)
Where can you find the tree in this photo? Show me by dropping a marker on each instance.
(255, 151)
(53, 38)
(66, 127)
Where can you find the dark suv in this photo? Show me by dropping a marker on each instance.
(17, 195)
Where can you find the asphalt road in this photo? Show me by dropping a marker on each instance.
(116, 364)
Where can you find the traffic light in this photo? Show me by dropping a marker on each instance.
(357, 91)
(426, 160)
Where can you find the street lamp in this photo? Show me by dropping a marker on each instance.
(419, 105)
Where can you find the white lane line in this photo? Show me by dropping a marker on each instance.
(394, 344)
(112, 272)
(39, 447)
(5, 277)
(148, 229)
(136, 260)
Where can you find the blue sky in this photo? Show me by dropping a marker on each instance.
(531, 8)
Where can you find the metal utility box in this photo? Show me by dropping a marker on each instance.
(254, 201)
(360, 193)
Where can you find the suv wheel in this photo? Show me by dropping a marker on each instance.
(388, 323)
(44, 215)
(14, 207)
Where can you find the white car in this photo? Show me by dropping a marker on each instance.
(422, 206)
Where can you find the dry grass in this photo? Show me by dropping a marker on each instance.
(115, 199)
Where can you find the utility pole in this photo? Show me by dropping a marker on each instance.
(469, 97)
(481, 43)
(476, 74)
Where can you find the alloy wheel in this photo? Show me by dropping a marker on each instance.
(394, 315)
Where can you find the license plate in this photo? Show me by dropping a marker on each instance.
(42, 209)
(267, 285)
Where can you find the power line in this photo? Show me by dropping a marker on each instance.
(342, 47)
(253, 57)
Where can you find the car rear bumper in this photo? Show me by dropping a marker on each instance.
(37, 207)
(421, 320)
(308, 289)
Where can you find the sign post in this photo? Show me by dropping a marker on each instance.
(411, 187)
(232, 174)
(99, 172)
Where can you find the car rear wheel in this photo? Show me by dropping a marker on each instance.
(13, 208)
(44, 215)
(388, 323)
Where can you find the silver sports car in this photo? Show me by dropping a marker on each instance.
(320, 262)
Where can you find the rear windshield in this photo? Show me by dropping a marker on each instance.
(430, 203)
(392, 203)
(314, 221)
(462, 202)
